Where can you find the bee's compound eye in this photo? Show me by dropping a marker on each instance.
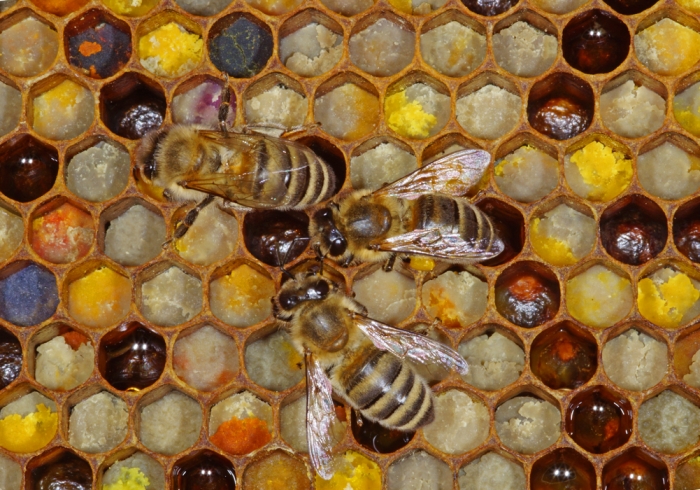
(338, 245)
(318, 290)
(288, 301)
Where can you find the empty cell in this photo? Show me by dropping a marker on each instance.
(348, 7)
(171, 424)
(10, 107)
(418, 111)
(171, 298)
(278, 470)
(461, 423)
(669, 422)
(240, 424)
(494, 361)
(524, 50)
(63, 235)
(669, 172)
(28, 423)
(273, 362)
(28, 47)
(599, 297)
(11, 233)
(456, 298)
(383, 48)
(203, 7)
(63, 112)
(200, 105)
(667, 47)
(686, 108)
(352, 470)
(129, 473)
(10, 473)
(598, 172)
(563, 236)
(211, 238)
(170, 50)
(635, 361)
(98, 423)
(312, 50)
(100, 172)
(489, 112)
(453, 49)
(206, 359)
(293, 425)
(419, 470)
(100, 49)
(277, 106)
(668, 298)
(381, 165)
(64, 362)
(242, 298)
(242, 49)
(527, 174)
(559, 6)
(130, 8)
(632, 111)
(100, 298)
(491, 471)
(528, 425)
(398, 298)
(347, 112)
(135, 237)
(28, 296)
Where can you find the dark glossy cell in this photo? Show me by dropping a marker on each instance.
(241, 49)
(132, 357)
(376, 438)
(630, 7)
(562, 359)
(526, 297)
(276, 237)
(635, 470)
(489, 7)
(204, 471)
(598, 420)
(686, 230)
(96, 47)
(69, 472)
(10, 358)
(563, 469)
(633, 232)
(595, 42)
(510, 228)
(28, 296)
(131, 108)
(28, 169)
(560, 106)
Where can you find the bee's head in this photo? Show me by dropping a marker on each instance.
(146, 165)
(332, 241)
(300, 289)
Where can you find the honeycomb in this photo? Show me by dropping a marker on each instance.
(599, 266)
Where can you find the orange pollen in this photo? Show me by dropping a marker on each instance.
(88, 48)
(526, 288)
(75, 339)
(565, 350)
(241, 436)
(611, 429)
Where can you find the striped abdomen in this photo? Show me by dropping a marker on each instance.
(386, 390)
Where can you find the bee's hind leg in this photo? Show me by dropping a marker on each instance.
(185, 223)
(389, 264)
(225, 106)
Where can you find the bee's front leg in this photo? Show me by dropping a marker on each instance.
(189, 219)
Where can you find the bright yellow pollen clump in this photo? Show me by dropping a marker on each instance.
(131, 8)
(408, 118)
(513, 160)
(666, 304)
(354, 471)
(667, 47)
(607, 171)
(129, 479)
(99, 299)
(422, 263)
(554, 251)
(249, 287)
(405, 6)
(170, 50)
(30, 433)
(61, 103)
(686, 117)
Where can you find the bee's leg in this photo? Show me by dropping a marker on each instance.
(190, 217)
(358, 417)
(288, 133)
(225, 105)
(389, 264)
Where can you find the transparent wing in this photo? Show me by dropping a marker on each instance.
(452, 175)
(320, 413)
(405, 344)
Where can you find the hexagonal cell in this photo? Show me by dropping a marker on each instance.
(205, 358)
(398, 298)
(561, 468)
(525, 44)
(241, 297)
(98, 296)
(276, 101)
(28, 423)
(276, 237)
(98, 423)
(632, 106)
(28, 44)
(669, 422)
(347, 108)
(134, 470)
(131, 357)
(526, 171)
(418, 470)
(669, 167)
(527, 294)
(169, 295)
(28, 169)
(273, 362)
(635, 361)
(457, 299)
(11, 231)
(461, 423)
(491, 470)
(61, 232)
(240, 424)
(687, 474)
(132, 105)
(170, 45)
(527, 424)
(65, 358)
(559, 6)
(197, 101)
(668, 297)
(61, 109)
(595, 42)
(133, 235)
(277, 470)
(10, 358)
(599, 296)
(293, 424)
(598, 168)
(382, 46)
(60, 7)
(212, 237)
(58, 468)
(170, 424)
(495, 361)
(686, 230)
(204, 469)
(665, 43)
(453, 44)
(97, 44)
(599, 420)
(510, 228)
(204, 8)
(686, 108)
(28, 293)
(488, 107)
(564, 357)
(635, 468)
(380, 161)
(352, 468)
(417, 107)
(560, 106)
(348, 8)
(11, 100)
(489, 8)
(129, 8)
(10, 473)
(310, 43)
(240, 45)
(99, 171)
(563, 234)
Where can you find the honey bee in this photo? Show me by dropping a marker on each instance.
(419, 214)
(240, 166)
(362, 360)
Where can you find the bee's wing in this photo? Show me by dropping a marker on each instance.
(320, 413)
(452, 175)
(415, 347)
